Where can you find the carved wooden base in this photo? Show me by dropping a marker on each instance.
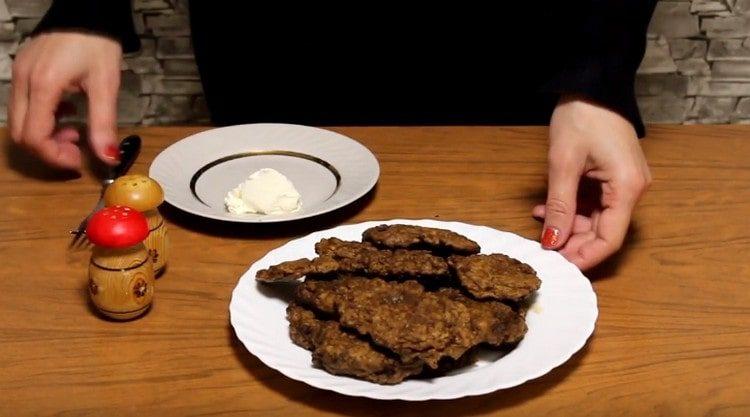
(121, 281)
(157, 241)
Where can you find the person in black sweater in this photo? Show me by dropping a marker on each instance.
(571, 64)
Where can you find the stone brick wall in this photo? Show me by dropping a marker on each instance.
(696, 68)
(697, 64)
(160, 84)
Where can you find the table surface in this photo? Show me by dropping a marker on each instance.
(673, 336)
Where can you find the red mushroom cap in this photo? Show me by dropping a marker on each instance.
(117, 227)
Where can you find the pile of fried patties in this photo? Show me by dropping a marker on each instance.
(407, 301)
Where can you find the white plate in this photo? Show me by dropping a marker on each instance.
(329, 170)
(560, 320)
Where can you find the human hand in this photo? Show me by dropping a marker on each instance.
(51, 65)
(589, 143)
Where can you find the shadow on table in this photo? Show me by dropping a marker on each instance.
(608, 269)
(30, 166)
(266, 230)
(331, 402)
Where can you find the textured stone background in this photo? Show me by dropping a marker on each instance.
(696, 68)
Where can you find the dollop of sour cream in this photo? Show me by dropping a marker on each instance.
(266, 191)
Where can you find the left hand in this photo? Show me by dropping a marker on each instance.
(593, 143)
(46, 68)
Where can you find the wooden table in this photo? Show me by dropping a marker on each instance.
(673, 336)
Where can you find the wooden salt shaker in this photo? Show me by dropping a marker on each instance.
(121, 274)
(143, 194)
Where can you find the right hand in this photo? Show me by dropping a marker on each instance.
(590, 141)
(51, 65)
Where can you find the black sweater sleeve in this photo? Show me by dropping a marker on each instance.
(605, 48)
(112, 18)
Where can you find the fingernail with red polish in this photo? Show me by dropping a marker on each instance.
(550, 237)
(112, 152)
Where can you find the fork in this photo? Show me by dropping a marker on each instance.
(80, 240)
(129, 149)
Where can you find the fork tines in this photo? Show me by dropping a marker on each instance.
(79, 240)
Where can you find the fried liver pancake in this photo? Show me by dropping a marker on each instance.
(392, 264)
(342, 248)
(414, 323)
(342, 353)
(402, 236)
(495, 276)
(286, 271)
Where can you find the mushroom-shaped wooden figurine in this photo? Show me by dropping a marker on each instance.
(143, 194)
(121, 274)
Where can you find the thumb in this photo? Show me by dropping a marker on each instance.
(102, 108)
(560, 208)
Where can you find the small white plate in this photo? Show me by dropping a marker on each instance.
(328, 169)
(560, 320)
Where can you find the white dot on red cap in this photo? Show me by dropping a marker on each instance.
(113, 217)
